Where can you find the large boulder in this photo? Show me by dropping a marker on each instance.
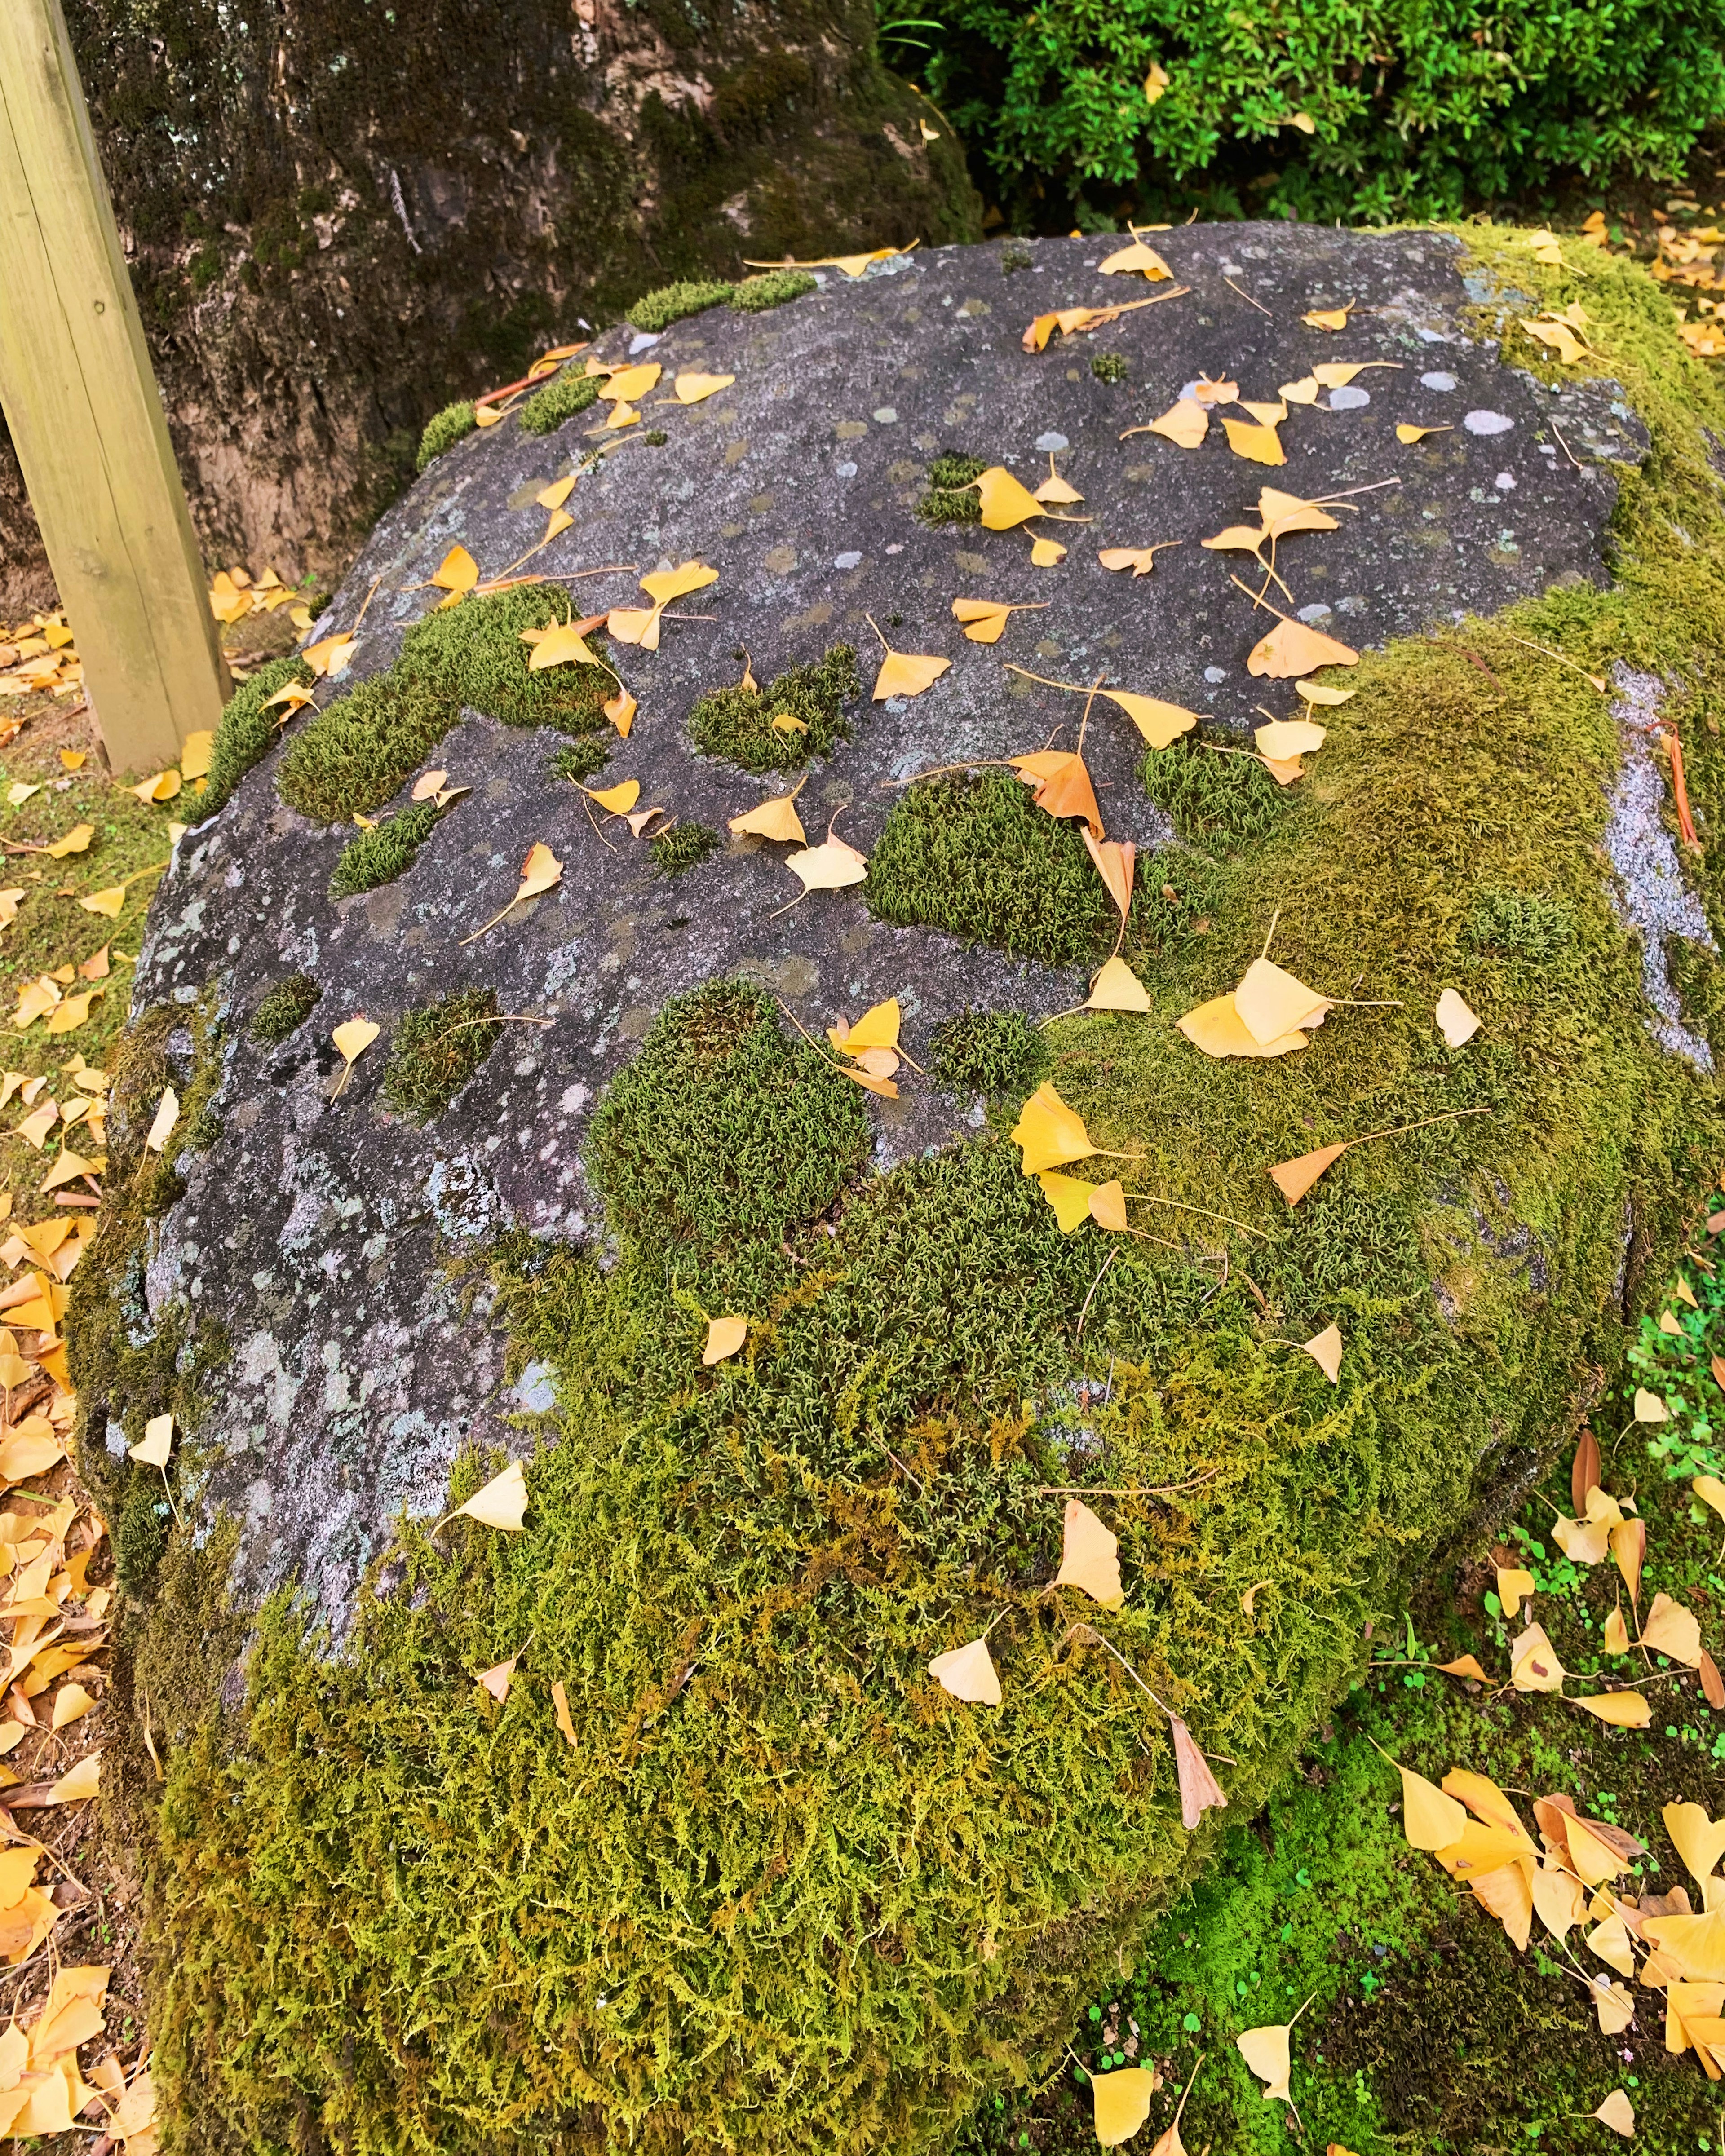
(718, 1862)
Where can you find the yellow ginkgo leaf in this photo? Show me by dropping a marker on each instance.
(1293, 647)
(907, 673)
(1533, 1664)
(1266, 415)
(1649, 1406)
(457, 572)
(1069, 1195)
(634, 625)
(1005, 501)
(1430, 1819)
(162, 1127)
(80, 1784)
(76, 841)
(75, 759)
(689, 388)
(560, 645)
(1698, 1942)
(557, 492)
(1107, 1207)
(1140, 560)
(1321, 692)
(1216, 1028)
(1325, 1349)
(1266, 2052)
(618, 799)
(1280, 738)
(1623, 1710)
(1049, 1133)
(724, 1337)
(1409, 434)
(1271, 1002)
(1055, 488)
(1258, 443)
(1617, 2113)
(1046, 553)
(629, 383)
(663, 585)
(108, 903)
(195, 754)
(1145, 260)
(1158, 722)
(352, 1039)
(559, 521)
(154, 1448)
(774, 818)
(968, 1673)
(877, 1027)
(1294, 1178)
(1116, 987)
(71, 1703)
(501, 1503)
(985, 619)
(1185, 424)
(1090, 1556)
(1699, 1840)
(831, 865)
(73, 1011)
(1302, 392)
(1337, 373)
(1116, 862)
(1455, 1022)
(163, 786)
(1328, 318)
(1515, 1585)
(1670, 1629)
(1120, 2102)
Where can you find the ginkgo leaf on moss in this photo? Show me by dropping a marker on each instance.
(1271, 1002)
(1063, 785)
(560, 645)
(1005, 501)
(1116, 987)
(1217, 1030)
(1672, 1629)
(1090, 1556)
(1464, 1666)
(968, 1673)
(1293, 648)
(1623, 1710)
(1617, 2113)
(1533, 1664)
(1277, 739)
(724, 1337)
(1267, 2052)
(1069, 1195)
(1698, 1839)
(1049, 1133)
(1116, 862)
(1199, 1790)
(1325, 1349)
(1120, 2101)
(501, 1502)
(1456, 1022)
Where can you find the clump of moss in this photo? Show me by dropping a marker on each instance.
(721, 1131)
(1110, 367)
(1013, 256)
(359, 750)
(436, 1049)
(972, 854)
(571, 392)
(772, 289)
(381, 854)
(682, 846)
(474, 654)
(578, 760)
(993, 1052)
(247, 732)
(657, 311)
(443, 429)
(951, 497)
(284, 1009)
(1216, 798)
(738, 724)
(1520, 924)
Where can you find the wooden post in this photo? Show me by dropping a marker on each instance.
(86, 418)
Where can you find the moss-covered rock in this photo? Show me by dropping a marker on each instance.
(443, 429)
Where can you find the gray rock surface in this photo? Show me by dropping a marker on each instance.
(317, 1232)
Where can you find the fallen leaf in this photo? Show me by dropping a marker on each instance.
(1328, 318)
(1623, 1710)
(1558, 1896)
(1046, 553)
(1055, 488)
(662, 586)
(1507, 1893)
(1116, 987)
(689, 388)
(1063, 785)
(1199, 1790)
(1048, 1133)
(31, 1449)
(1431, 1820)
(1697, 1943)
(76, 841)
(1325, 1349)
(560, 1703)
(557, 492)
(1006, 502)
(107, 903)
(83, 1781)
(1185, 424)
(1294, 1178)
(18, 792)
(1266, 2052)
(1120, 2102)
(1533, 1664)
(832, 865)
(1629, 1549)
(560, 645)
(1069, 1196)
(457, 573)
(1216, 1028)
(331, 656)
(776, 818)
(1259, 445)
(1266, 415)
(1649, 1406)
(1614, 1635)
(501, 1502)
(75, 759)
(1615, 2007)
(1455, 1022)
(1293, 648)
(784, 722)
(620, 709)
(1137, 257)
(1302, 392)
(154, 1447)
(617, 800)
(1209, 393)
(71, 1703)
(353, 1037)
(72, 1011)
(1140, 560)
(1107, 1207)
(968, 1673)
(907, 673)
(1271, 1002)
(1337, 373)
(1708, 1488)
(1464, 1666)
(163, 786)
(1560, 337)
(1116, 862)
(1160, 723)
(1411, 434)
(168, 1114)
(724, 1337)
(497, 1679)
(428, 784)
(1617, 2113)
(1321, 692)
(629, 383)
(1672, 1629)
(1090, 1556)
(1713, 1684)
(195, 754)
(984, 619)
(1288, 737)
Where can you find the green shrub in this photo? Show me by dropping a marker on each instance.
(657, 311)
(682, 846)
(571, 392)
(284, 1009)
(772, 289)
(246, 732)
(974, 855)
(1415, 112)
(993, 1052)
(437, 1050)
(738, 723)
(359, 750)
(379, 855)
(443, 430)
(1213, 797)
(474, 654)
(951, 497)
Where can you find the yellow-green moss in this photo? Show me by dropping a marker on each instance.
(284, 1009)
(772, 287)
(248, 731)
(571, 392)
(434, 1051)
(658, 310)
(738, 724)
(951, 497)
(443, 429)
(378, 856)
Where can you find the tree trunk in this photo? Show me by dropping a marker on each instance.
(342, 215)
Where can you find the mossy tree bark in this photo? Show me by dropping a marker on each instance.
(339, 218)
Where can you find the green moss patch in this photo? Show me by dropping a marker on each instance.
(443, 429)
(1216, 796)
(972, 854)
(474, 654)
(379, 855)
(683, 846)
(738, 724)
(772, 287)
(951, 495)
(571, 392)
(993, 1052)
(434, 1052)
(246, 731)
(284, 1009)
(1111, 366)
(359, 750)
(657, 311)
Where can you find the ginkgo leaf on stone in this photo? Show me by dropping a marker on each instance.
(689, 388)
(618, 799)
(1407, 435)
(662, 586)
(776, 818)
(907, 673)
(1006, 501)
(1337, 373)
(1328, 318)
(629, 383)
(620, 709)
(1293, 648)
(557, 492)
(1199, 1790)
(1046, 553)
(877, 1027)
(968, 1673)
(984, 619)
(1286, 513)
(1251, 439)
(1185, 424)
(501, 1502)
(1160, 723)
(1140, 560)
(1302, 392)
(1116, 987)
(1325, 1349)
(1054, 488)
(1266, 415)
(724, 1337)
(1120, 2101)
(353, 1037)
(833, 865)
(1221, 391)
(1145, 260)
(1069, 1195)
(1090, 1556)
(1456, 1022)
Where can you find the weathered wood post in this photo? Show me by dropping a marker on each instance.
(81, 402)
